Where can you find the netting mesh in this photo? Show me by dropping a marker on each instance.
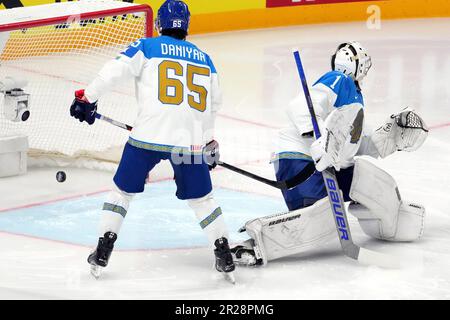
(411, 120)
(58, 59)
(413, 131)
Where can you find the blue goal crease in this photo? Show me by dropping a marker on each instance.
(156, 219)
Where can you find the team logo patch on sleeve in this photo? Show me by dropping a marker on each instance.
(356, 132)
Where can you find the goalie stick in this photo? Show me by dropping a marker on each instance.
(287, 184)
(349, 248)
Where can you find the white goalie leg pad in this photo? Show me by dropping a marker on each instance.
(114, 210)
(210, 217)
(379, 208)
(291, 233)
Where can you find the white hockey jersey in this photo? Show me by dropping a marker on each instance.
(333, 92)
(177, 91)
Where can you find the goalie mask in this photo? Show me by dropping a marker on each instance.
(352, 59)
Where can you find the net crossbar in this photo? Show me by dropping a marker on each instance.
(57, 49)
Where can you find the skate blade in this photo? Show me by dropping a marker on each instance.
(229, 276)
(96, 271)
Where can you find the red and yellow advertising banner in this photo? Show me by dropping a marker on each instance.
(227, 15)
(287, 3)
(195, 6)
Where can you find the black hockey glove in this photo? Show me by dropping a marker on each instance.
(211, 154)
(82, 109)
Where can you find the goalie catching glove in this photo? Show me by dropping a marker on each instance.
(82, 109)
(405, 131)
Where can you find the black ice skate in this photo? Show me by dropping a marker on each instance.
(224, 259)
(99, 258)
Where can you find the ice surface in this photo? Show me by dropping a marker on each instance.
(47, 227)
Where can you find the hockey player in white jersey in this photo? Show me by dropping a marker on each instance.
(178, 96)
(375, 200)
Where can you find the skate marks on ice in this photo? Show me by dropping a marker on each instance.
(55, 270)
(60, 270)
(407, 54)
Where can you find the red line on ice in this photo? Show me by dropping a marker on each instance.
(52, 201)
(247, 121)
(16, 234)
(83, 84)
(80, 195)
(438, 126)
(66, 198)
(106, 190)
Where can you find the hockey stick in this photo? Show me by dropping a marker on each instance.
(301, 177)
(114, 122)
(287, 184)
(335, 197)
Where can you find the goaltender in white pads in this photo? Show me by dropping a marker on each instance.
(375, 199)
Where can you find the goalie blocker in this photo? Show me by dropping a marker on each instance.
(377, 204)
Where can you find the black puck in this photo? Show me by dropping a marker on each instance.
(61, 176)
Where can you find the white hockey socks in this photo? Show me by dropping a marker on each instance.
(206, 209)
(114, 210)
(210, 217)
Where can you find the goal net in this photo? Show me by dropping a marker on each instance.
(59, 48)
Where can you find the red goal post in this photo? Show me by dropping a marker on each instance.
(57, 49)
(15, 25)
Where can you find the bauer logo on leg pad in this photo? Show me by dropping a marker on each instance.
(337, 208)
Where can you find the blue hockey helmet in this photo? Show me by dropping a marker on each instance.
(173, 14)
